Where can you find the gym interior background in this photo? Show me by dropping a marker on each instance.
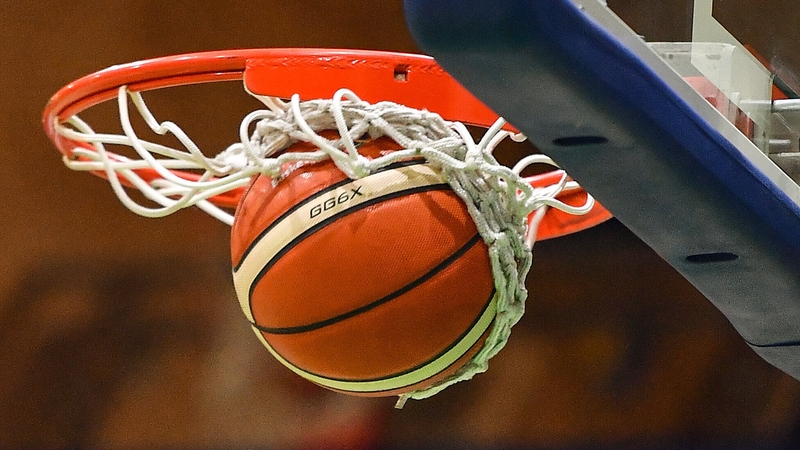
(118, 331)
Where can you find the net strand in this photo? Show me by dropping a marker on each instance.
(506, 209)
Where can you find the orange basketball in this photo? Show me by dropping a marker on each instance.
(377, 286)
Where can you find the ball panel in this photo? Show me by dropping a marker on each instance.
(396, 386)
(335, 270)
(420, 377)
(399, 335)
(262, 203)
(316, 214)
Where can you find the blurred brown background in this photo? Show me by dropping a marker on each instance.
(123, 332)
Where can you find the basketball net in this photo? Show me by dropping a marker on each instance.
(499, 199)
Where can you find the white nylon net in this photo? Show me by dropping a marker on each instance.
(498, 198)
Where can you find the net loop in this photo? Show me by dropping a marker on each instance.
(498, 198)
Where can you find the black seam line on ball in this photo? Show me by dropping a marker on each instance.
(313, 197)
(417, 367)
(434, 358)
(360, 310)
(302, 236)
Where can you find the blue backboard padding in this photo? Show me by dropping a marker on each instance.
(663, 170)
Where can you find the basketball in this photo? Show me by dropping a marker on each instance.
(375, 287)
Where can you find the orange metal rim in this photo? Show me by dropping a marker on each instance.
(413, 80)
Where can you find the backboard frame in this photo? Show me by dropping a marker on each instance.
(590, 93)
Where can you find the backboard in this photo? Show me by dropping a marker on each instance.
(677, 115)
